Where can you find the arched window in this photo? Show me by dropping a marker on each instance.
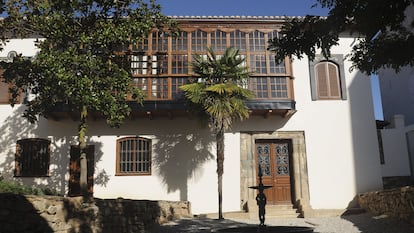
(198, 41)
(159, 41)
(327, 78)
(180, 42)
(257, 41)
(328, 85)
(218, 40)
(32, 157)
(238, 40)
(133, 156)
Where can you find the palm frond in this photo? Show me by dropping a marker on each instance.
(220, 92)
(195, 92)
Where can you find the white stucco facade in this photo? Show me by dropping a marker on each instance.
(342, 156)
(398, 149)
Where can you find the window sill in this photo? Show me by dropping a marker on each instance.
(132, 174)
(32, 176)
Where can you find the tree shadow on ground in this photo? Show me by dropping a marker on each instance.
(367, 223)
(356, 223)
(178, 157)
(196, 225)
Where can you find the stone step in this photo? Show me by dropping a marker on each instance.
(272, 211)
(279, 207)
(277, 211)
(282, 214)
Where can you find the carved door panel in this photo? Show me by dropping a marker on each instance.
(273, 156)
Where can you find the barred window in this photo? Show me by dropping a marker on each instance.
(133, 156)
(32, 157)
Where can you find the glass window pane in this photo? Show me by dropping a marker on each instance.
(238, 40)
(198, 41)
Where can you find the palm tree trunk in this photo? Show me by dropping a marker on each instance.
(220, 170)
(83, 182)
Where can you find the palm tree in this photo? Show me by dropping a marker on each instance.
(218, 95)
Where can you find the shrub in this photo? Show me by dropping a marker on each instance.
(16, 188)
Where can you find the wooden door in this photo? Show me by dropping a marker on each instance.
(273, 156)
(74, 170)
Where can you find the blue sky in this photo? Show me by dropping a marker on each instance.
(240, 7)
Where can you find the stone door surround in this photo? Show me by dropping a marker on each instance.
(248, 170)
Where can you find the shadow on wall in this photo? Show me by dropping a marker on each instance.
(178, 156)
(364, 138)
(61, 135)
(13, 128)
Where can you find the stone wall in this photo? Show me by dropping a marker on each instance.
(46, 214)
(397, 203)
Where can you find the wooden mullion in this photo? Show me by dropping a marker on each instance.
(289, 76)
(267, 54)
(189, 52)
(269, 89)
(134, 159)
(169, 53)
(118, 157)
(208, 39)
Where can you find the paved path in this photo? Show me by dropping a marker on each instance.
(359, 223)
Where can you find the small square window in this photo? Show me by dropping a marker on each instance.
(32, 157)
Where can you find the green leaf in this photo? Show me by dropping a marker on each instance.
(218, 94)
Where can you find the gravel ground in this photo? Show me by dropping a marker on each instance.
(358, 223)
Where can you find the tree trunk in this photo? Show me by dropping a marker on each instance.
(82, 148)
(220, 170)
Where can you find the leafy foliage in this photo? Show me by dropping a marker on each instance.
(16, 188)
(386, 35)
(77, 63)
(218, 92)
